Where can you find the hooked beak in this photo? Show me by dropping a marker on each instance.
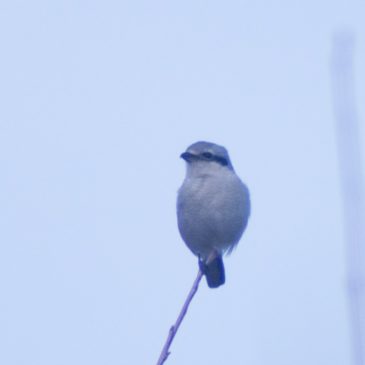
(187, 156)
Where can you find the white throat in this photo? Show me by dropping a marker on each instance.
(198, 169)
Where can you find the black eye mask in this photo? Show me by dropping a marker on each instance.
(210, 157)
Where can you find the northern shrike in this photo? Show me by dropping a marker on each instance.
(213, 207)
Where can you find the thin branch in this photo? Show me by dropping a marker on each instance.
(173, 330)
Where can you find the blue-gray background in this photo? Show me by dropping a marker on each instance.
(98, 99)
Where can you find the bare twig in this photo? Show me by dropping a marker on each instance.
(165, 351)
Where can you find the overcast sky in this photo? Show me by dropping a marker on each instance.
(98, 100)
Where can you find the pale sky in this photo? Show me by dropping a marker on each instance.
(98, 100)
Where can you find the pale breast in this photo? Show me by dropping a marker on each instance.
(212, 212)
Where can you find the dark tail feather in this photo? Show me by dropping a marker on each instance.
(214, 272)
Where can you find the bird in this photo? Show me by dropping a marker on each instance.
(213, 208)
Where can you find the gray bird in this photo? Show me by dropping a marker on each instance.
(213, 207)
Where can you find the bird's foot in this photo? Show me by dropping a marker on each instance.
(202, 265)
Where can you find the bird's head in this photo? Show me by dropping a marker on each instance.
(206, 156)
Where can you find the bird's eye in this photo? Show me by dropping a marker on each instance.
(207, 155)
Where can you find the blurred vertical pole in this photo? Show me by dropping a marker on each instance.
(350, 165)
